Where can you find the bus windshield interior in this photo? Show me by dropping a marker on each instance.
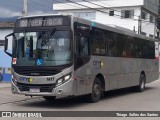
(44, 48)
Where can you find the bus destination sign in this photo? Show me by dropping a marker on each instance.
(40, 22)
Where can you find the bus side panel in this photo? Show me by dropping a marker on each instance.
(117, 72)
(84, 79)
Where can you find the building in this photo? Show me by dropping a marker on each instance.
(136, 15)
(5, 29)
(5, 61)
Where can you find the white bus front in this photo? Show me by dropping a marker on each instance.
(42, 57)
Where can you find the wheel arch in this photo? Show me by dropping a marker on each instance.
(102, 80)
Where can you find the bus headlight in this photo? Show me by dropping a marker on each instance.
(63, 79)
(14, 80)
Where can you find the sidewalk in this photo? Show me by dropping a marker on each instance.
(5, 84)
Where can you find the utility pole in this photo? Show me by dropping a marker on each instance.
(139, 25)
(24, 12)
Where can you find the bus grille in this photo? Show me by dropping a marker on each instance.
(43, 88)
(36, 71)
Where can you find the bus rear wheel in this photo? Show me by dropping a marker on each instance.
(141, 86)
(96, 91)
(49, 98)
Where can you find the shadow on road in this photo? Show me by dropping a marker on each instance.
(57, 103)
(123, 92)
(78, 101)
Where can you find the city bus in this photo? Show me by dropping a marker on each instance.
(56, 56)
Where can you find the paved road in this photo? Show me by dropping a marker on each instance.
(119, 100)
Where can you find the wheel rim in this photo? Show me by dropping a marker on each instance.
(96, 90)
(142, 84)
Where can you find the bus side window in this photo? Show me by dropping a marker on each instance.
(83, 46)
(130, 47)
(151, 50)
(111, 44)
(99, 45)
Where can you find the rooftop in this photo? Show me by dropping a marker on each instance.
(7, 24)
(150, 5)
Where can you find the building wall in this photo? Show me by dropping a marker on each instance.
(105, 3)
(152, 5)
(3, 33)
(117, 20)
(5, 60)
(129, 23)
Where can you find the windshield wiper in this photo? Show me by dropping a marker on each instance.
(48, 34)
(45, 35)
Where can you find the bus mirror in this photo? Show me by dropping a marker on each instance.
(6, 45)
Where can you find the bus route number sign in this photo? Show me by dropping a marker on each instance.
(39, 22)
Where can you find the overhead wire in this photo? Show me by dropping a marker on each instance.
(106, 7)
(113, 9)
(104, 12)
(100, 10)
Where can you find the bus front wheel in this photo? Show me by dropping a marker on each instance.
(49, 98)
(96, 91)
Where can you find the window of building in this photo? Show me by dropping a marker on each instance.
(143, 33)
(152, 36)
(127, 13)
(151, 19)
(111, 13)
(143, 15)
(2, 42)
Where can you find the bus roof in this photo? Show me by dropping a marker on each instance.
(115, 28)
(109, 27)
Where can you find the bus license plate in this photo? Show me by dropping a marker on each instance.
(35, 90)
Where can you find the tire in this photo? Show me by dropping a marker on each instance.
(96, 91)
(141, 86)
(49, 98)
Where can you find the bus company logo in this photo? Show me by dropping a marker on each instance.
(30, 80)
(6, 114)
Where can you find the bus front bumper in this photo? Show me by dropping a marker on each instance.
(64, 90)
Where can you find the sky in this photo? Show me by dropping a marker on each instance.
(10, 8)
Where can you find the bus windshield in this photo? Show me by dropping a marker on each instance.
(44, 48)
